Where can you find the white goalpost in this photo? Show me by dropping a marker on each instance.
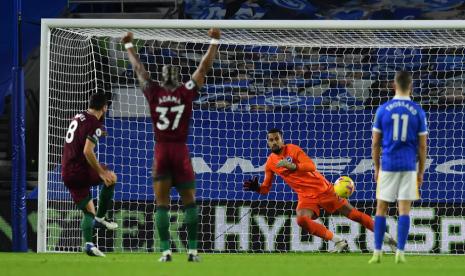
(319, 81)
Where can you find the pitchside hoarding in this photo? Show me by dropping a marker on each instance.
(253, 226)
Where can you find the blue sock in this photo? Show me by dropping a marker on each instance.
(380, 228)
(403, 226)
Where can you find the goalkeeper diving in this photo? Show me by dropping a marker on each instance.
(314, 191)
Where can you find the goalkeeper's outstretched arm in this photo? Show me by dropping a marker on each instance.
(252, 184)
(142, 74)
(207, 60)
(267, 182)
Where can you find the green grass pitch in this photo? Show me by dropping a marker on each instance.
(309, 264)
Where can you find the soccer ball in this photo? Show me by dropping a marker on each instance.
(344, 186)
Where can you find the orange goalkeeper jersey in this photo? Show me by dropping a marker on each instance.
(306, 181)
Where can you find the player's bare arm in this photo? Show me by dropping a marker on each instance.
(422, 149)
(142, 74)
(376, 152)
(108, 177)
(207, 60)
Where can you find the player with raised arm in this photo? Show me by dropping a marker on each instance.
(171, 110)
(399, 134)
(314, 191)
(80, 170)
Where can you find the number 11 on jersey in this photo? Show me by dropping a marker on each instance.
(395, 132)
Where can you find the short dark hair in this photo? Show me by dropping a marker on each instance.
(98, 101)
(275, 130)
(403, 80)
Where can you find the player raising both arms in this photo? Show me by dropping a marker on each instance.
(171, 110)
(400, 130)
(313, 190)
(80, 170)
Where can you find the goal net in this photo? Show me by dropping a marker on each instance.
(321, 86)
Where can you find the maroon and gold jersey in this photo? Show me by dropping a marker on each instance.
(171, 111)
(83, 126)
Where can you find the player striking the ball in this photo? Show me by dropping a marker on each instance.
(80, 170)
(400, 130)
(171, 110)
(314, 191)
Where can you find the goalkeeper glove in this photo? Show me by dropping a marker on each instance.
(287, 164)
(252, 185)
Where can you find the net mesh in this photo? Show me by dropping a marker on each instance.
(320, 86)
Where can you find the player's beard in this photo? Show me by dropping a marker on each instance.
(276, 149)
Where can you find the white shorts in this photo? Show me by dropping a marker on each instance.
(394, 186)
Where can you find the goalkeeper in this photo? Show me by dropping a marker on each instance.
(313, 189)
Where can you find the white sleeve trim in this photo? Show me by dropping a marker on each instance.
(375, 129)
(191, 85)
(423, 133)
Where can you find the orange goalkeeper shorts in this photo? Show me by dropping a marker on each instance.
(329, 201)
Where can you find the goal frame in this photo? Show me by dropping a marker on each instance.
(48, 24)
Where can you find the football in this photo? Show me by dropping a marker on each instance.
(344, 186)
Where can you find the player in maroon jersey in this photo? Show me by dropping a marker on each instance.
(171, 110)
(80, 170)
